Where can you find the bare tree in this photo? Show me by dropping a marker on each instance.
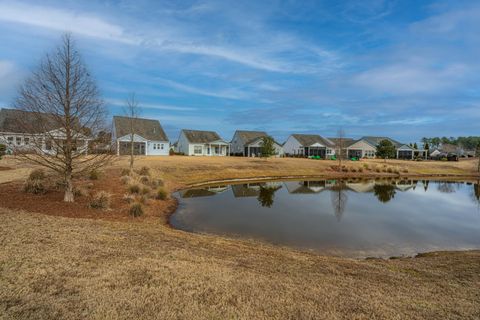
(132, 112)
(61, 110)
(477, 154)
(340, 146)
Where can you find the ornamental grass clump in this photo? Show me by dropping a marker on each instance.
(136, 209)
(37, 174)
(161, 194)
(34, 186)
(94, 175)
(101, 200)
(144, 171)
(134, 188)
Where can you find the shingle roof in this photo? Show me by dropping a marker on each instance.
(198, 136)
(146, 128)
(250, 136)
(309, 139)
(19, 121)
(346, 141)
(375, 141)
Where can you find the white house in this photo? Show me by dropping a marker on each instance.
(148, 136)
(366, 147)
(24, 131)
(249, 143)
(202, 143)
(309, 145)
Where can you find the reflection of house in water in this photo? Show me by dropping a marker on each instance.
(203, 192)
(306, 187)
(404, 185)
(361, 186)
(253, 189)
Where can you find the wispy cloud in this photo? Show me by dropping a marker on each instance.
(154, 106)
(222, 93)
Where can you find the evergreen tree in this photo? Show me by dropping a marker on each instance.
(268, 148)
(386, 150)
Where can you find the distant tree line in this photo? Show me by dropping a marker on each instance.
(469, 143)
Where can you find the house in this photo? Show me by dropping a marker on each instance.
(308, 145)
(249, 143)
(305, 187)
(148, 136)
(202, 143)
(24, 131)
(366, 147)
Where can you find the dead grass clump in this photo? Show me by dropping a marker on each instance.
(390, 170)
(353, 169)
(365, 165)
(126, 179)
(128, 197)
(79, 192)
(134, 188)
(94, 175)
(144, 171)
(145, 190)
(37, 174)
(136, 209)
(34, 186)
(360, 169)
(405, 170)
(125, 172)
(101, 200)
(157, 183)
(161, 194)
(145, 179)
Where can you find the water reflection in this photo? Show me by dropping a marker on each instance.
(350, 217)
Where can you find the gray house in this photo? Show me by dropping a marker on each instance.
(249, 143)
(366, 147)
(309, 145)
(202, 143)
(148, 136)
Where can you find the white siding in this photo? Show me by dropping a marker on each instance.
(367, 150)
(292, 146)
(237, 144)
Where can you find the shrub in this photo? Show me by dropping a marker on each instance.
(101, 200)
(360, 169)
(365, 165)
(405, 170)
(134, 188)
(377, 169)
(157, 183)
(144, 171)
(145, 190)
(145, 179)
(94, 174)
(126, 179)
(161, 194)
(79, 192)
(129, 198)
(136, 209)
(3, 150)
(353, 169)
(389, 170)
(34, 186)
(125, 172)
(37, 174)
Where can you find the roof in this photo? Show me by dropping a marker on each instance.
(250, 136)
(346, 141)
(198, 136)
(19, 121)
(375, 141)
(146, 128)
(309, 139)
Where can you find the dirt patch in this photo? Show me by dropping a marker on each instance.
(5, 168)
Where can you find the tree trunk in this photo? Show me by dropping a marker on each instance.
(68, 197)
(131, 153)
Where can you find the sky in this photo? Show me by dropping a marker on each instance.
(403, 69)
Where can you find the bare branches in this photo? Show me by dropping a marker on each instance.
(340, 146)
(62, 112)
(132, 111)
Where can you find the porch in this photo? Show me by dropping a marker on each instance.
(217, 149)
(315, 151)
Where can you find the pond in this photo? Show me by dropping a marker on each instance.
(351, 218)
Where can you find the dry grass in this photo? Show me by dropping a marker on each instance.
(57, 267)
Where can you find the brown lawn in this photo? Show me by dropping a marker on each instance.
(118, 267)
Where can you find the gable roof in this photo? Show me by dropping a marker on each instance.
(199, 136)
(309, 139)
(346, 141)
(146, 128)
(375, 141)
(19, 121)
(250, 136)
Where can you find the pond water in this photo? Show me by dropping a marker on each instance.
(354, 218)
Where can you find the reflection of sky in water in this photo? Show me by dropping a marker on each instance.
(339, 217)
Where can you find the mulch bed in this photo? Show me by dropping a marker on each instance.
(12, 196)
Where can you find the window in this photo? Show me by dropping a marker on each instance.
(26, 141)
(161, 146)
(329, 151)
(154, 146)
(10, 140)
(48, 145)
(197, 149)
(18, 140)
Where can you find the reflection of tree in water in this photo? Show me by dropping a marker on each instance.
(446, 187)
(425, 184)
(266, 195)
(339, 199)
(476, 192)
(384, 192)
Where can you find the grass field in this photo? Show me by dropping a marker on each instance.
(69, 268)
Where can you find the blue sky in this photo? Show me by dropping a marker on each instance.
(405, 69)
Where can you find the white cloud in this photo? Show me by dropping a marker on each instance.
(63, 20)
(226, 93)
(156, 106)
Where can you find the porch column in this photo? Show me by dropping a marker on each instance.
(86, 147)
(118, 147)
(248, 151)
(146, 148)
(397, 154)
(413, 153)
